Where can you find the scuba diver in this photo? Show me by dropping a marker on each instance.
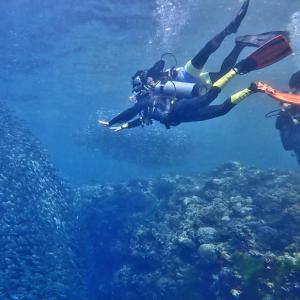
(288, 116)
(196, 81)
(161, 105)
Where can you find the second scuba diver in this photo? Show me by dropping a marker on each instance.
(288, 116)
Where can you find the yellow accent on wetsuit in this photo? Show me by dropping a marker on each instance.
(205, 78)
(225, 79)
(191, 69)
(197, 73)
(241, 95)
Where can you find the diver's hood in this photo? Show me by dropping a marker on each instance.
(139, 79)
(294, 82)
(156, 69)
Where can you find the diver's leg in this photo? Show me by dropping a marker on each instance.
(235, 24)
(255, 40)
(228, 63)
(221, 82)
(212, 94)
(202, 56)
(214, 111)
(188, 106)
(185, 108)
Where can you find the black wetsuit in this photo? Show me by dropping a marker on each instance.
(289, 130)
(198, 108)
(140, 108)
(214, 44)
(173, 112)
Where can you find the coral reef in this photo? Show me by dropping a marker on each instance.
(38, 253)
(232, 234)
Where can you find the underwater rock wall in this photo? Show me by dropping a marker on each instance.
(37, 252)
(233, 234)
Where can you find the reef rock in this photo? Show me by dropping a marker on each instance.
(37, 253)
(233, 234)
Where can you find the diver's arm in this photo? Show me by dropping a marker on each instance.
(103, 123)
(135, 123)
(132, 124)
(128, 114)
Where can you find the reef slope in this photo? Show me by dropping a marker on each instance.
(38, 252)
(233, 234)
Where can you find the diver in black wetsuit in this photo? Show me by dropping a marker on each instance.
(288, 116)
(288, 123)
(172, 111)
(288, 120)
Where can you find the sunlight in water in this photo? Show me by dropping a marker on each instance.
(294, 28)
(171, 16)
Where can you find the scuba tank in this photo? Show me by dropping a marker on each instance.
(177, 89)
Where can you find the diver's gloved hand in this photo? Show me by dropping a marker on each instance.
(116, 128)
(103, 123)
(119, 128)
(254, 86)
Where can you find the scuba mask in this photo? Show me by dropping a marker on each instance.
(144, 80)
(139, 79)
(137, 83)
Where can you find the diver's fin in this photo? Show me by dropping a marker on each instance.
(262, 87)
(235, 24)
(270, 53)
(258, 40)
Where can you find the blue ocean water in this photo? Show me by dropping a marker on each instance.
(64, 63)
(67, 63)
